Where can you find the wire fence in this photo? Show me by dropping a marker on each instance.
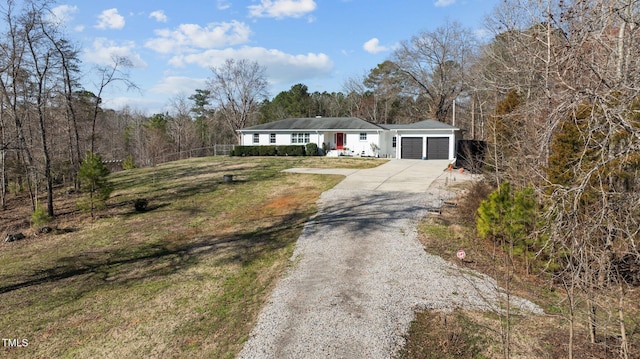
(215, 150)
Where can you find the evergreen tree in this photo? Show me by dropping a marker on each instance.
(93, 176)
(567, 149)
(508, 217)
(293, 103)
(201, 113)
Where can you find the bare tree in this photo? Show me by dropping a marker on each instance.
(116, 72)
(237, 89)
(361, 102)
(70, 69)
(13, 78)
(29, 79)
(180, 128)
(436, 64)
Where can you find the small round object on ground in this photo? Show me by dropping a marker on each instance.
(461, 254)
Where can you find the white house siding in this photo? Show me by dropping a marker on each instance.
(282, 138)
(361, 147)
(459, 137)
(386, 144)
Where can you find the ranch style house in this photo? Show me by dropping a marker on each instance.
(352, 136)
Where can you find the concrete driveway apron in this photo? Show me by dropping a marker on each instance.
(412, 176)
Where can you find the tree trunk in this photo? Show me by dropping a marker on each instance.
(571, 296)
(592, 321)
(47, 160)
(74, 137)
(624, 343)
(73, 160)
(3, 179)
(3, 154)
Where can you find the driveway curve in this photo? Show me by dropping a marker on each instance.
(360, 273)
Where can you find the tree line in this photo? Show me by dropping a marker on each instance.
(564, 155)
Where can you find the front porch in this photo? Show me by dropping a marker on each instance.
(334, 141)
(339, 153)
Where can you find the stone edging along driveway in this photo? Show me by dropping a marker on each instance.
(359, 274)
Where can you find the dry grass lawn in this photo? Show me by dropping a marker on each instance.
(185, 278)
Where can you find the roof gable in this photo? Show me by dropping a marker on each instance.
(422, 125)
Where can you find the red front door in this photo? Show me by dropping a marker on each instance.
(339, 141)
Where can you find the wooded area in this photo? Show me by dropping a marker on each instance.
(554, 90)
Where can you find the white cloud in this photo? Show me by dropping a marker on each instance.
(62, 14)
(149, 105)
(373, 46)
(189, 36)
(110, 19)
(483, 34)
(282, 8)
(159, 16)
(223, 4)
(444, 3)
(281, 67)
(103, 51)
(174, 85)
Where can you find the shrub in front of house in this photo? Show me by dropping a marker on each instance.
(267, 150)
(290, 150)
(242, 151)
(311, 149)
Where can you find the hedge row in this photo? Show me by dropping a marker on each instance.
(311, 149)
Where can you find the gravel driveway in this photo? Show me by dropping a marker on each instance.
(359, 274)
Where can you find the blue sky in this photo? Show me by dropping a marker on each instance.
(320, 43)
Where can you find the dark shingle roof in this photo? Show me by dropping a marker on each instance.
(422, 125)
(344, 123)
(318, 123)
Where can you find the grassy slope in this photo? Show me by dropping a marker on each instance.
(186, 278)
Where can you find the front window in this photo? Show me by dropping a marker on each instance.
(256, 138)
(394, 142)
(272, 138)
(301, 138)
(363, 136)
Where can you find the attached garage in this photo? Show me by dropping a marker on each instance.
(411, 147)
(437, 148)
(430, 140)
